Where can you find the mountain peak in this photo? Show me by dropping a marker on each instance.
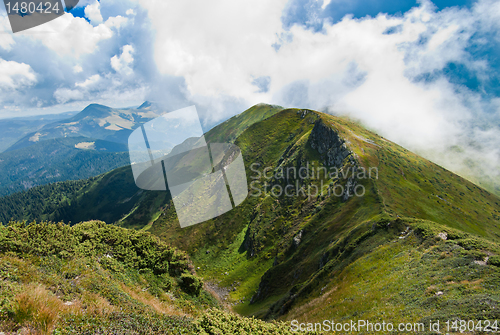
(94, 110)
(145, 105)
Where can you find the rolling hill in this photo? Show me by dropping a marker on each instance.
(340, 223)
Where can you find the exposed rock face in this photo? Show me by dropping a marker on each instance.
(335, 153)
(324, 259)
(349, 188)
(327, 142)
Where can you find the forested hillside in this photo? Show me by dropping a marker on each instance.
(56, 160)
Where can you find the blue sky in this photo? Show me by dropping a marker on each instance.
(424, 74)
(299, 11)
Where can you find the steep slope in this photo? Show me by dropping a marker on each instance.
(273, 244)
(58, 160)
(95, 121)
(402, 271)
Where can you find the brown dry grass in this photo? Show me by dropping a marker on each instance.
(38, 309)
(148, 299)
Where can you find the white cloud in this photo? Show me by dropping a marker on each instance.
(14, 75)
(77, 69)
(69, 35)
(219, 47)
(116, 22)
(90, 82)
(64, 95)
(93, 13)
(122, 63)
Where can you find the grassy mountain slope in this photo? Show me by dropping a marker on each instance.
(57, 160)
(405, 270)
(271, 246)
(230, 129)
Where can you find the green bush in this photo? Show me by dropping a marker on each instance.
(191, 284)
(116, 248)
(471, 244)
(215, 321)
(494, 260)
(476, 254)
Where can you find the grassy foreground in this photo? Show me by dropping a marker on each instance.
(94, 278)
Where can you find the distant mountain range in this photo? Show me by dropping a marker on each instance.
(58, 159)
(96, 122)
(69, 146)
(13, 129)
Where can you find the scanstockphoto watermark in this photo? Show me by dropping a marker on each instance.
(309, 180)
(351, 326)
(383, 327)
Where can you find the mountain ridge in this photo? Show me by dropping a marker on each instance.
(94, 121)
(280, 254)
(13, 129)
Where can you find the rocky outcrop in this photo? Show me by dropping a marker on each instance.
(324, 259)
(297, 239)
(335, 153)
(349, 187)
(329, 144)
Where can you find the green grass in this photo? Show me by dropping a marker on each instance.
(231, 129)
(398, 281)
(230, 266)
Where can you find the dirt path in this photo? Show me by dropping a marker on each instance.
(220, 293)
